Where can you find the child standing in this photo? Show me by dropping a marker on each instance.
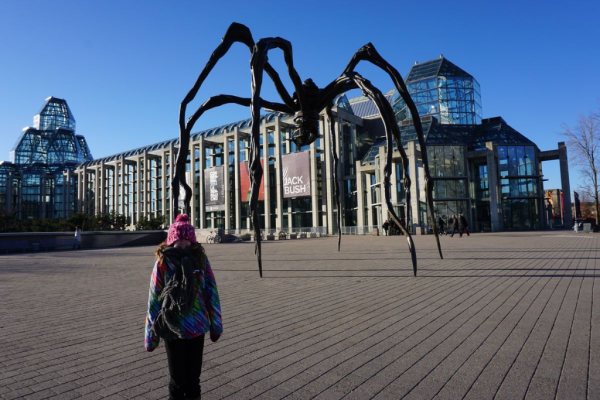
(183, 306)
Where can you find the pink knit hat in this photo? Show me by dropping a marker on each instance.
(181, 229)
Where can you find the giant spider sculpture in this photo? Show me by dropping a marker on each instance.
(305, 105)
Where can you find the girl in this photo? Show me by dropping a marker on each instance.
(183, 305)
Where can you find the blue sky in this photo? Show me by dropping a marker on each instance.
(125, 66)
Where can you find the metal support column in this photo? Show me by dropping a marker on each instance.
(565, 184)
(201, 211)
(278, 174)
(265, 134)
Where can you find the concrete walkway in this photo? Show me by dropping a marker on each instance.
(506, 316)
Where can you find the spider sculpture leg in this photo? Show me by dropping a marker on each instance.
(349, 81)
(235, 33)
(214, 102)
(257, 65)
(391, 128)
(334, 148)
(369, 53)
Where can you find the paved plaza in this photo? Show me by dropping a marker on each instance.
(504, 315)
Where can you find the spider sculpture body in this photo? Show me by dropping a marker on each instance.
(305, 104)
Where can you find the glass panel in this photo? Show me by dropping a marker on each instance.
(521, 214)
(530, 161)
(446, 160)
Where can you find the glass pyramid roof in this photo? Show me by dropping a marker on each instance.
(437, 67)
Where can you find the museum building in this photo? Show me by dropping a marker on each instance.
(39, 181)
(482, 168)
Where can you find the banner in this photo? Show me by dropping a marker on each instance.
(549, 196)
(214, 188)
(577, 206)
(296, 175)
(245, 184)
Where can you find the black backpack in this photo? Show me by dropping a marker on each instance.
(177, 296)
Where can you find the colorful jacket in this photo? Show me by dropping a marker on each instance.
(205, 315)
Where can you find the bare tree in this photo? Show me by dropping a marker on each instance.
(583, 141)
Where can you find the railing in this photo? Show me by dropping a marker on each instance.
(240, 232)
(248, 234)
(360, 230)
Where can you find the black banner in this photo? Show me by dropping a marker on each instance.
(214, 189)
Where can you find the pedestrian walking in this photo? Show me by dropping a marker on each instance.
(77, 238)
(183, 306)
(454, 225)
(441, 225)
(403, 223)
(385, 226)
(463, 224)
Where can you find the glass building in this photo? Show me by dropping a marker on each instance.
(38, 181)
(482, 168)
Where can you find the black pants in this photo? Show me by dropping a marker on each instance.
(185, 365)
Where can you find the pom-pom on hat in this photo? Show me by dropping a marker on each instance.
(181, 229)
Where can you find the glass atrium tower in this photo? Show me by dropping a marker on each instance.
(38, 182)
(442, 90)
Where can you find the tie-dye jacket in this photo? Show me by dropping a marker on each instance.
(205, 315)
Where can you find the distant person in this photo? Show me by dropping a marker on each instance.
(386, 226)
(454, 222)
(183, 306)
(441, 225)
(77, 238)
(463, 225)
(403, 223)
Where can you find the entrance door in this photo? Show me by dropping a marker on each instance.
(521, 214)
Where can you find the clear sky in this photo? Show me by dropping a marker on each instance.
(125, 66)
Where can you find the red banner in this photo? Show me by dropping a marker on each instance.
(245, 184)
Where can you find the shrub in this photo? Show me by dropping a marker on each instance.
(150, 224)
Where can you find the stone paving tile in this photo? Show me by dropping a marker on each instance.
(505, 315)
(454, 352)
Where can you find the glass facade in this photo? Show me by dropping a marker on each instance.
(442, 90)
(482, 195)
(519, 183)
(34, 183)
(460, 144)
(446, 161)
(447, 166)
(54, 114)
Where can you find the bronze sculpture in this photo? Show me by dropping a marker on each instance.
(305, 104)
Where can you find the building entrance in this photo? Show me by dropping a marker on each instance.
(521, 214)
